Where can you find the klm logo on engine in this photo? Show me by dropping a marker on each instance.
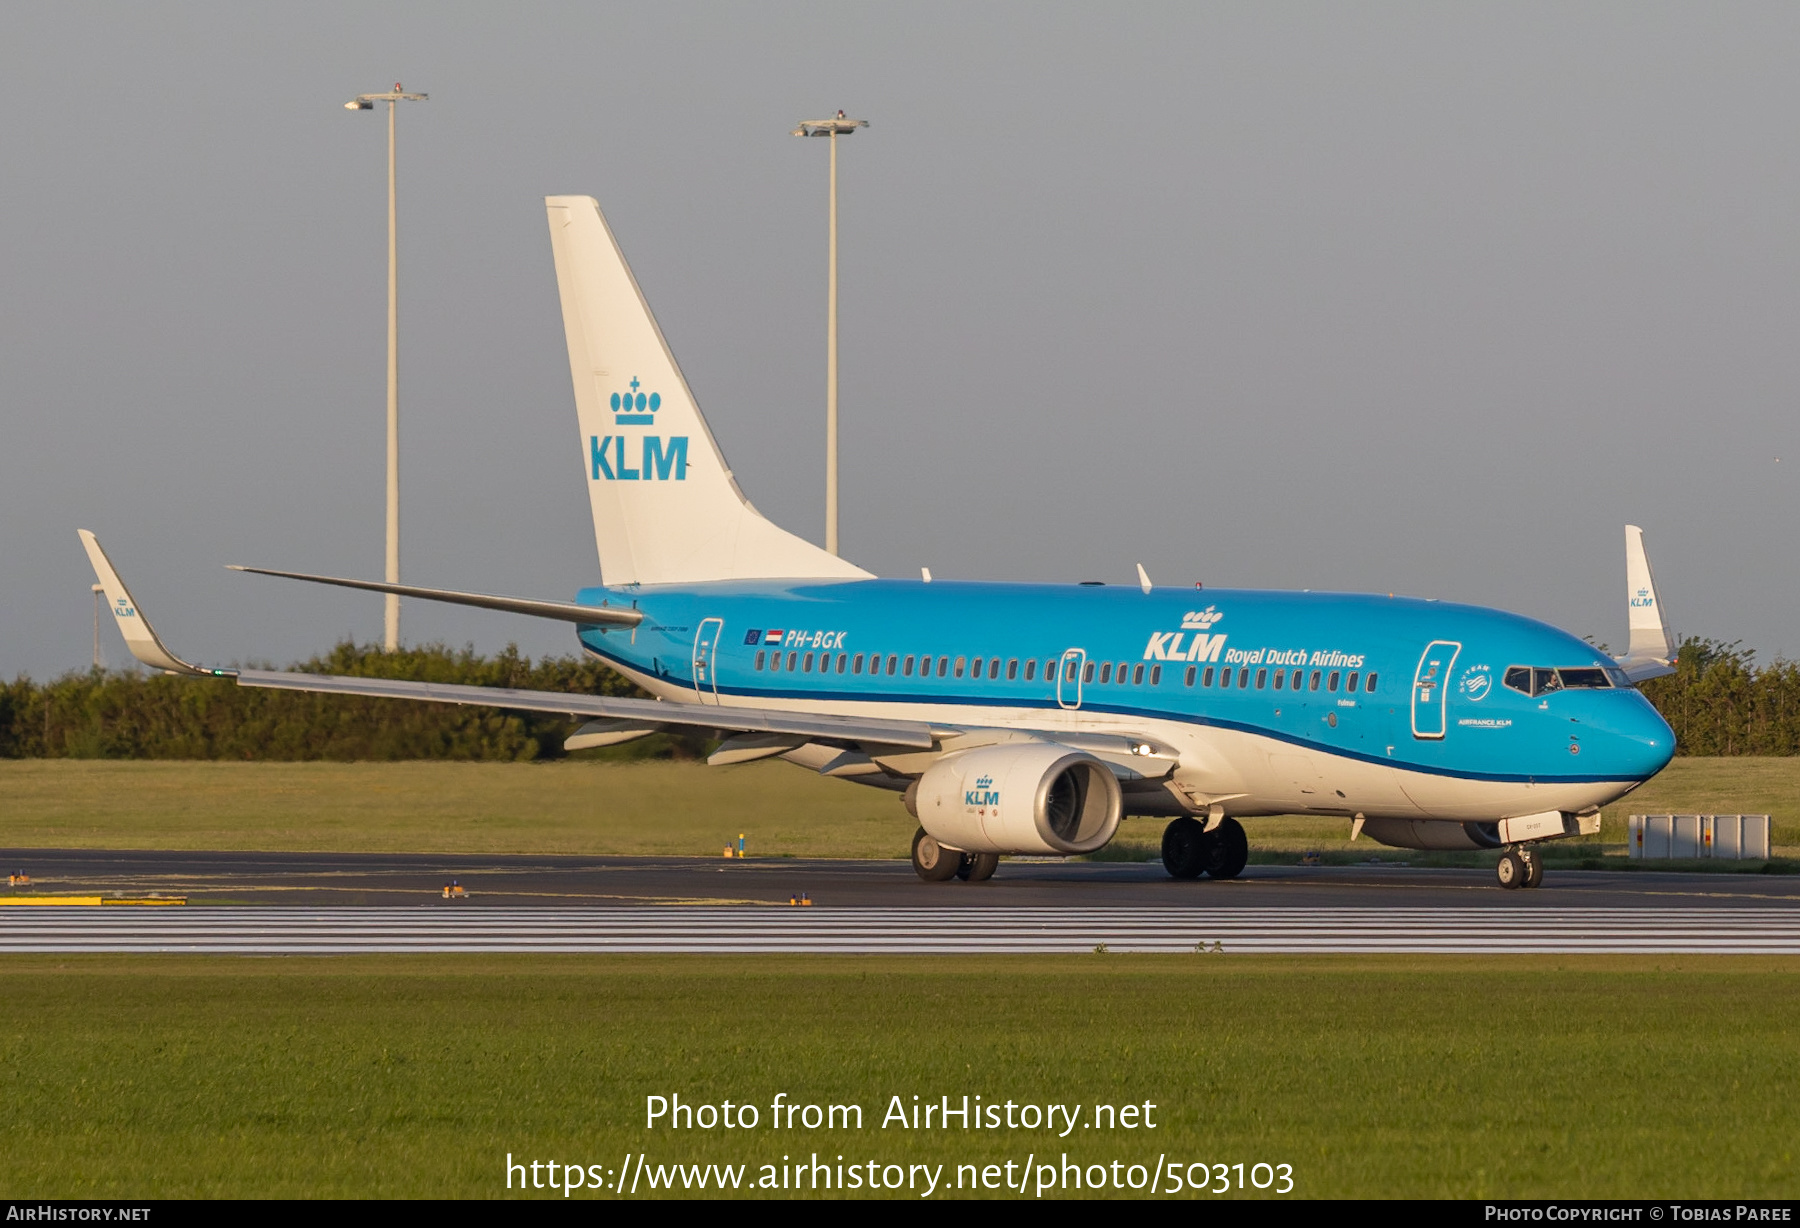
(983, 794)
(647, 458)
(1194, 642)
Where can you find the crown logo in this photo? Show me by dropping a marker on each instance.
(984, 782)
(635, 408)
(1200, 620)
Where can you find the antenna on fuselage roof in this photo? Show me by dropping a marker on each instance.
(1143, 578)
(925, 574)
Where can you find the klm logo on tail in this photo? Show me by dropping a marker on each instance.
(662, 460)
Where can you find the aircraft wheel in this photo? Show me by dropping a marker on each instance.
(1511, 870)
(1185, 846)
(1230, 851)
(932, 861)
(1534, 867)
(978, 867)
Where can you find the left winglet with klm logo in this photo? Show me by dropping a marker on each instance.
(139, 635)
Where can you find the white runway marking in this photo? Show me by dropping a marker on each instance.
(925, 931)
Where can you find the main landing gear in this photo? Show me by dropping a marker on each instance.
(1189, 850)
(936, 864)
(1520, 866)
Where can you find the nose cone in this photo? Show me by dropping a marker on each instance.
(1635, 743)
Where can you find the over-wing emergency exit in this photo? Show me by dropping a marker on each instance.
(1034, 718)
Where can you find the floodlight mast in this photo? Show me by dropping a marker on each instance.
(391, 621)
(831, 128)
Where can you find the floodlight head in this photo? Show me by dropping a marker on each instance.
(840, 126)
(359, 104)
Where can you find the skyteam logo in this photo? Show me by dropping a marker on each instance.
(651, 458)
(1476, 682)
(983, 794)
(635, 408)
(1642, 600)
(1199, 645)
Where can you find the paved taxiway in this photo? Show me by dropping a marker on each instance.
(939, 931)
(390, 879)
(342, 903)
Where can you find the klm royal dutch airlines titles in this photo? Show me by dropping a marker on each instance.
(1012, 718)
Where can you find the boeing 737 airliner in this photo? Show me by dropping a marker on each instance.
(1033, 718)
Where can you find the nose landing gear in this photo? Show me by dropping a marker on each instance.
(1520, 866)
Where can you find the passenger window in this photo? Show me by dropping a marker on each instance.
(856, 665)
(1369, 686)
(1351, 684)
(1137, 675)
(1012, 669)
(806, 664)
(1297, 680)
(843, 659)
(1280, 678)
(794, 661)
(1225, 677)
(1087, 675)
(894, 662)
(1206, 678)
(909, 665)
(1243, 678)
(1314, 683)
(759, 659)
(1106, 672)
(1262, 677)
(775, 662)
(1031, 669)
(1155, 675)
(1050, 670)
(994, 667)
(1188, 679)
(1331, 683)
(943, 666)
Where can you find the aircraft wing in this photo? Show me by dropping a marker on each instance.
(766, 730)
(1650, 652)
(649, 711)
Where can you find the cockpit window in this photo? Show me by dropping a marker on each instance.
(1536, 680)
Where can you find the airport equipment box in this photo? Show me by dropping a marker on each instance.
(1727, 837)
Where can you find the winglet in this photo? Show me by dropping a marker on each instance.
(1650, 653)
(139, 635)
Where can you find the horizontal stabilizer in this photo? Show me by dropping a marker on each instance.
(586, 615)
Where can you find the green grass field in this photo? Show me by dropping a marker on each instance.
(648, 807)
(414, 1076)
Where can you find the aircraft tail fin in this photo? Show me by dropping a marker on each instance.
(666, 508)
(1650, 652)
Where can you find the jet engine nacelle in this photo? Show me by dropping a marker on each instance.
(1033, 797)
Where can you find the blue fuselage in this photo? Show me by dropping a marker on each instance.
(1421, 686)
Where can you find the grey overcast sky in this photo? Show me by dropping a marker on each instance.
(1419, 298)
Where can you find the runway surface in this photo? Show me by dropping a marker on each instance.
(927, 931)
(395, 879)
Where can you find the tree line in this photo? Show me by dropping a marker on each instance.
(127, 714)
(1719, 702)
